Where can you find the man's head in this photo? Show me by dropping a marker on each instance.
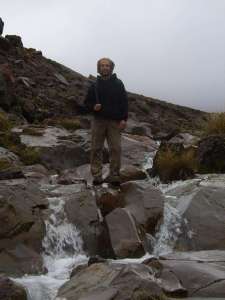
(105, 66)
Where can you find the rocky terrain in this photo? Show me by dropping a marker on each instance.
(46, 89)
(60, 238)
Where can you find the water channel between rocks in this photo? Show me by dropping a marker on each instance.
(63, 244)
(63, 252)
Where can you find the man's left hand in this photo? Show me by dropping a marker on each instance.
(122, 124)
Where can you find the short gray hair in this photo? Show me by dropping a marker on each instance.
(105, 58)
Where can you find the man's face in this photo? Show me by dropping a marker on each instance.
(105, 67)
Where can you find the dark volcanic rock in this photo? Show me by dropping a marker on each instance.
(11, 173)
(211, 154)
(81, 210)
(1, 26)
(123, 234)
(186, 139)
(58, 149)
(109, 199)
(37, 173)
(57, 90)
(10, 290)
(136, 148)
(130, 172)
(65, 155)
(4, 44)
(112, 281)
(199, 274)
(138, 128)
(130, 214)
(145, 203)
(18, 259)
(204, 217)
(21, 227)
(15, 40)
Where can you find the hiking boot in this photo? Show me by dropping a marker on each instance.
(97, 181)
(115, 183)
(111, 179)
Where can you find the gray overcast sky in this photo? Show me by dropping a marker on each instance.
(168, 49)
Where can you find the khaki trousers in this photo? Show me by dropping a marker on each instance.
(102, 129)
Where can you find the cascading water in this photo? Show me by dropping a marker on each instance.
(170, 228)
(62, 252)
(63, 245)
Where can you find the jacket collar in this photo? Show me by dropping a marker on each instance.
(112, 77)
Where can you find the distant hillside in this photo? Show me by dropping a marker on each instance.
(45, 89)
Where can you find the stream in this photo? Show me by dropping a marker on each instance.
(63, 244)
(62, 252)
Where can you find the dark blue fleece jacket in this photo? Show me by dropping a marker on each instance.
(111, 94)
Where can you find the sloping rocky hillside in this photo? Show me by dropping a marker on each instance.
(44, 89)
(86, 243)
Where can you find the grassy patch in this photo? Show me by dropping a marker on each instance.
(4, 164)
(141, 294)
(5, 124)
(33, 131)
(29, 155)
(215, 124)
(69, 124)
(11, 141)
(144, 107)
(172, 165)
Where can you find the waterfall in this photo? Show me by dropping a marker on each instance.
(171, 227)
(62, 252)
(169, 230)
(62, 245)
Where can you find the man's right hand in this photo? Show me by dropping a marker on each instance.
(97, 107)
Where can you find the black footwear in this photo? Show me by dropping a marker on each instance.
(97, 182)
(115, 184)
(112, 179)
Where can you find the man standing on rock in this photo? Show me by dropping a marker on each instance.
(107, 101)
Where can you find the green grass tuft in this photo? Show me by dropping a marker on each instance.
(4, 164)
(174, 166)
(215, 124)
(5, 124)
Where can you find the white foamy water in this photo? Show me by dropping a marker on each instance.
(63, 245)
(170, 228)
(177, 197)
(62, 252)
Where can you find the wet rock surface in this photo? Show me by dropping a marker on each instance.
(10, 290)
(21, 227)
(200, 274)
(145, 203)
(57, 148)
(123, 234)
(111, 281)
(204, 220)
(81, 210)
(45, 188)
(211, 154)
